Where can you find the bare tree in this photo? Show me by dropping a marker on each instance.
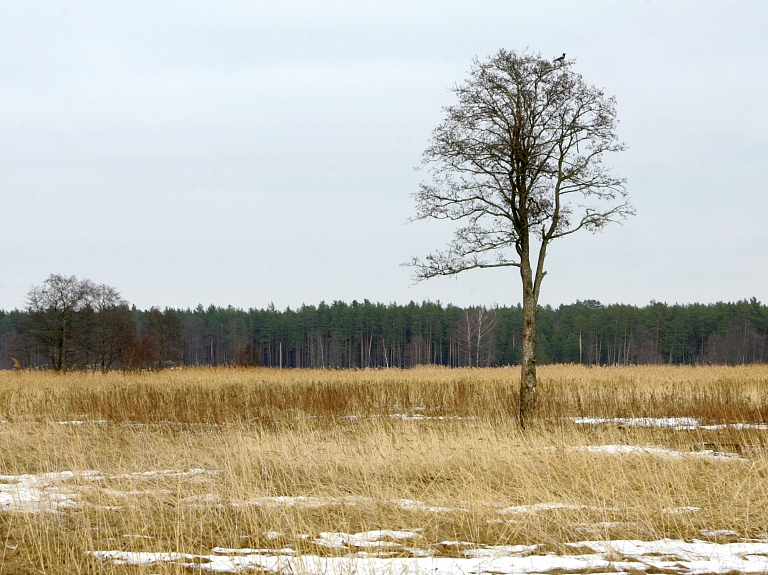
(53, 309)
(519, 161)
(475, 335)
(164, 329)
(485, 322)
(113, 328)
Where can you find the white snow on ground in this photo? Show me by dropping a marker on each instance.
(717, 426)
(421, 506)
(52, 492)
(87, 422)
(536, 507)
(40, 493)
(668, 422)
(382, 538)
(621, 556)
(718, 533)
(655, 450)
(317, 502)
(678, 423)
(679, 510)
(161, 473)
(422, 417)
(302, 501)
(247, 551)
(405, 417)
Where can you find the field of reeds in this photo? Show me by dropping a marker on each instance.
(429, 462)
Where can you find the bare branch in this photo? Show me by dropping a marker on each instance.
(524, 138)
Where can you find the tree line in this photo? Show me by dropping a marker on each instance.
(77, 324)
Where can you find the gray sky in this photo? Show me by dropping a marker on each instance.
(246, 152)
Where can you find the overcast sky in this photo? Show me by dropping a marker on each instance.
(252, 152)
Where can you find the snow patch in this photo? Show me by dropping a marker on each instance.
(302, 501)
(85, 422)
(665, 555)
(536, 507)
(718, 533)
(666, 422)
(46, 492)
(380, 538)
(677, 423)
(54, 492)
(655, 450)
(247, 551)
(679, 510)
(413, 505)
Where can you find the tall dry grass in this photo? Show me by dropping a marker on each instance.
(231, 395)
(432, 449)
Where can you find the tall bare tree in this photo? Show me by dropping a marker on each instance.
(519, 161)
(53, 309)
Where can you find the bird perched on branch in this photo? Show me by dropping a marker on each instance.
(560, 59)
(16, 363)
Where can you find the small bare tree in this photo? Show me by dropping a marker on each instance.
(519, 160)
(475, 335)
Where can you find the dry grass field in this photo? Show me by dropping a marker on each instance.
(382, 470)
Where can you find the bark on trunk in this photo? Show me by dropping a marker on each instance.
(63, 357)
(528, 363)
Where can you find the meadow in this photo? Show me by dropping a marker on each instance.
(645, 469)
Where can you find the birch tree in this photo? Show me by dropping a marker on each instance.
(518, 161)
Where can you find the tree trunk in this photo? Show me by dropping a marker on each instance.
(63, 356)
(528, 363)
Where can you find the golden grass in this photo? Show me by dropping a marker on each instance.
(340, 437)
(237, 395)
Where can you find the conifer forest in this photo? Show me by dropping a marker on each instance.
(102, 331)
